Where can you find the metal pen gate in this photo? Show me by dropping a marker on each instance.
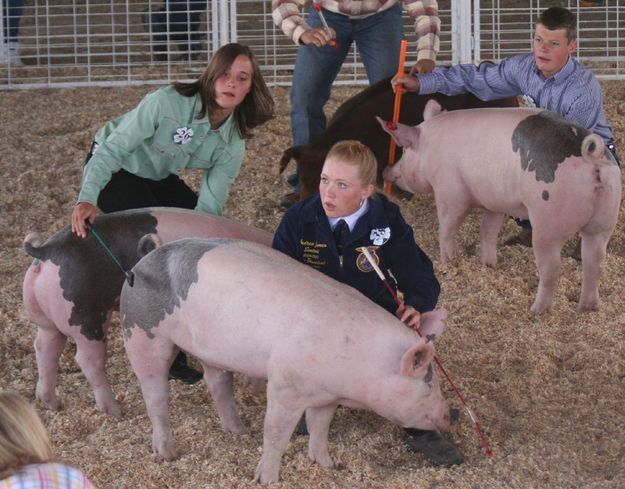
(113, 42)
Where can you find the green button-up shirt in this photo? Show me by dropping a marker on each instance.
(160, 137)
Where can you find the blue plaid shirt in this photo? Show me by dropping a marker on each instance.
(574, 92)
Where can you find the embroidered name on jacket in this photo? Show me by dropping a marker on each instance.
(310, 254)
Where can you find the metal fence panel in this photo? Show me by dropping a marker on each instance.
(117, 42)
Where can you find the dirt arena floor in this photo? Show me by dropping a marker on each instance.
(548, 389)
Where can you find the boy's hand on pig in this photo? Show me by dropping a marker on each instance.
(408, 83)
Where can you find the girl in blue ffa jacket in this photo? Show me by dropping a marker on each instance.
(329, 232)
(346, 194)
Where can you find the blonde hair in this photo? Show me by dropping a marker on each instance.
(23, 438)
(355, 153)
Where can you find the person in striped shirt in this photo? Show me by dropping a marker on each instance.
(548, 78)
(25, 452)
(376, 26)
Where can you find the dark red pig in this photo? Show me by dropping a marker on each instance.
(355, 119)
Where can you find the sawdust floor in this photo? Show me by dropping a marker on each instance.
(549, 390)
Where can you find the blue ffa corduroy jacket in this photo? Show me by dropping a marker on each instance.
(305, 234)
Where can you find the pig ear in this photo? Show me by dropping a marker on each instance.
(417, 361)
(432, 324)
(147, 243)
(432, 108)
(405, 136)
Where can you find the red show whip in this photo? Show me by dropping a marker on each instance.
(468, 409)
(388, 186)
(317, 5)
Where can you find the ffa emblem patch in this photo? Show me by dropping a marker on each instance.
(361, 260)
(380, 236)
(183, 135)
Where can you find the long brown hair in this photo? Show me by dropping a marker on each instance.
(257, 106)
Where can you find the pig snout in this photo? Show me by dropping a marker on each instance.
(390, 173)
(446, 418)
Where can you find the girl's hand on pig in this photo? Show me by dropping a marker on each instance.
(82, 211)
(409, 316)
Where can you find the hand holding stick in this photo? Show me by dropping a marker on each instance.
(317, 5)
(469, 410)
(388, 186)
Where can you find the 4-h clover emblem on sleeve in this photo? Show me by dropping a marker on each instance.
(183, 135)
(380, 236)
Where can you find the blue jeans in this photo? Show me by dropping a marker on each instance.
(378, 38)
(184, 22)
(12, 11)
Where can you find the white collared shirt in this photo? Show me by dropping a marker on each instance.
(352, 219)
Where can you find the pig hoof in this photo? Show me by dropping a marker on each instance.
(49, 402)
(266, 475)
(324, 460)
(112, 410)
(489, 261)
(540, 308)
(239, 429)
(588, 306)
(168, 454)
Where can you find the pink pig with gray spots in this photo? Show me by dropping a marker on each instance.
(72, 287)
(238, 306)
(526, 163)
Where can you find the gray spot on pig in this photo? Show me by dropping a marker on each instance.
(545, 195)
(544, 141)
(89, 278)
(430, 337)
(429, 375)
(162, 282)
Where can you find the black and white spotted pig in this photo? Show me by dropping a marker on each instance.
(73, 286)
(241, 307)
(526, 163)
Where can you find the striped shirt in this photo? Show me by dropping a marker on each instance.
(424, 14)
(46, 476)
(574, 92)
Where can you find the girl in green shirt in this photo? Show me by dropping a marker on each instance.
(136, 159)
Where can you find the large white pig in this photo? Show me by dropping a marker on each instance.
(73, 285)
(238, 306)
(526, 163)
